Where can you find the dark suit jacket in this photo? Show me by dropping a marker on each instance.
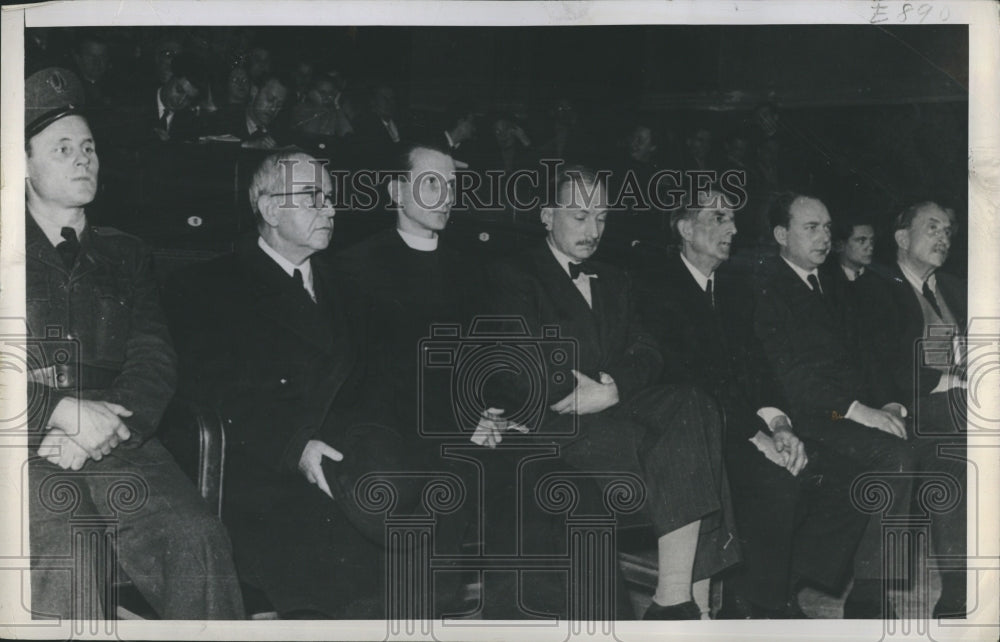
(712, 349)
(534, 287)
(138, 122)
(107, 312)
(905, 326)
(280, 369)
(812, 345)
(411, 292)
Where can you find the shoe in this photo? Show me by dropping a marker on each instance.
(683, 611)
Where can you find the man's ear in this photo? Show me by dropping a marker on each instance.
(781, 235)
(547, 215)
(268, 210)
(684, 228)
(902, 238)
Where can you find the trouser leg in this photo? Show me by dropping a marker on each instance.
(174, 549)
(66, 579)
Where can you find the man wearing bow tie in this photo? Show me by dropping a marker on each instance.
(607, 417)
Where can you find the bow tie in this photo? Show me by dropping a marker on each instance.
(576, 269)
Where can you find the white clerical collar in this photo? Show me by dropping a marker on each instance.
(564, 260)
(305, 267)
(803, 274)
(917, 282)
(451, 143)
(701, 279)
(419, 243)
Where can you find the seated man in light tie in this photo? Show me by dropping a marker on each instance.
(927, 309)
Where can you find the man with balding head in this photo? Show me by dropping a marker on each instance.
(806, 325)
(275, 340)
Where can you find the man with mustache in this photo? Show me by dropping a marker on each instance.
(806, 325)
(275, 340)
(927, 308)
(792, 510)
(608, 416)
(90, 294)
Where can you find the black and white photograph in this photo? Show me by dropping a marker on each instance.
(500, 320)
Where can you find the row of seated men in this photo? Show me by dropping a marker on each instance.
(748, 413)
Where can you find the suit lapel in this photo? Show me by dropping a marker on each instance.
(278, 298)
(568, 300)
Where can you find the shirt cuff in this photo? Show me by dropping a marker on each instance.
(850, 411)
(947, 382)
(769, 414)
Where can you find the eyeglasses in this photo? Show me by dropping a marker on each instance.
(319, 199)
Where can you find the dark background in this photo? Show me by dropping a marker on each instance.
(877, 117)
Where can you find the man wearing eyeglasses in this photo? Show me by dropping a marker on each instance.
(273, 339)
(923, 341)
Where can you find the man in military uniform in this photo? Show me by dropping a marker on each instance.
(90, 294)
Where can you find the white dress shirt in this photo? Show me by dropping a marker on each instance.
(419, 243)
(582, 282)
(804, 274)
(305, 267)
(160, 108)
(767, 413)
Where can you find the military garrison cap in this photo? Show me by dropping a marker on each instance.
(50, 94)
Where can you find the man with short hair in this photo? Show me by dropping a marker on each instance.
(606, 416)
(854, 246)
(276, 341)
(792, 511)
(461, 126)
(255, 123)
(927, 309)
(168, 113)
(92, 289)
(805, 325)
(415, 278)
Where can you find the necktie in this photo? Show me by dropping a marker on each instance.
(69, 249)
(297, 277)
(929, 295)
(576, 269)
(165, 120)
(814, 284)
(710, 293)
